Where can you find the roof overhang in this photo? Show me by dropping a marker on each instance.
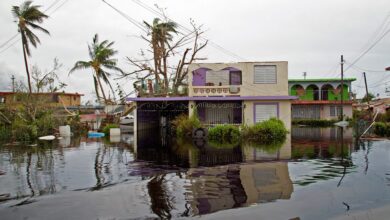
(321, 102)
(212, 98)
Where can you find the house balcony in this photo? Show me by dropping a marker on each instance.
(229, 90)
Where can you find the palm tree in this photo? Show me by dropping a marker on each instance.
(161, 33)
(28, 15)
(100, 54)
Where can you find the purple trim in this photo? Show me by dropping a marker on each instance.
(199, 76)
(264, 103)
(226, 98)
(232, 69)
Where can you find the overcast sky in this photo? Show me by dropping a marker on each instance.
(310, 35)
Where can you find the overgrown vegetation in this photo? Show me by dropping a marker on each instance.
(266, 132)
(184, 125)
(382, 129)
(314, 122)
(32, 118)
(224, 134)
(106, 129)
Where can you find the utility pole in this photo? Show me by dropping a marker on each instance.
(13, 83)
(342, 88)
(365, 82)
(368, 100)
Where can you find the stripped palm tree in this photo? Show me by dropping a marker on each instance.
(161, 35)
(28, 15)
(101, 55)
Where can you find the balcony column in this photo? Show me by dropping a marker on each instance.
(191, 108)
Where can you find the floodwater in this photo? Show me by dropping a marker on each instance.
(316, 174)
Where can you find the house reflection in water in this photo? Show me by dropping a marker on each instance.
(321, 142)
(217, 177)
(224, 187)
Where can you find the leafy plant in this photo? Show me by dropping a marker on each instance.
(106, 129)
(314, 122)
(224, 134)
(382, 129)
(269, 131)
(184, 125)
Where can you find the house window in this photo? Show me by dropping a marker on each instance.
(235, 78)
(2, 99)
(263, 112)
(215, 78)
(265, 74)
(334, 110)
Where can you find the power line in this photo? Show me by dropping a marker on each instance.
(6, 42)
(213, 44)
(12, 44)
(367, 50)
(381, 28)
(130, 19)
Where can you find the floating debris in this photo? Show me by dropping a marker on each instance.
(47, 138)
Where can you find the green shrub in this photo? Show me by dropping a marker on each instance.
(385, 117)
(314, 122)
(272, 130)
(184, 125)
(224, 134)
(106, 129)
(22, 131)
(382, 129)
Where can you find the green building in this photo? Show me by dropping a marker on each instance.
(320, 98)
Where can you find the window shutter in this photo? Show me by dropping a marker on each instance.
(265, 112)
(265, 74)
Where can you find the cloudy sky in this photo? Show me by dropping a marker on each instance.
(310, 35)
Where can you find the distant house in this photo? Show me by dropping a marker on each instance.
(320, 98)
(55, 99)
(223, 93)
(380, 105)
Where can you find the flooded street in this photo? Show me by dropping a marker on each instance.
(316, 174)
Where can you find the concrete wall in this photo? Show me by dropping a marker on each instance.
(248, 87)
(325, 112)
(284, 112)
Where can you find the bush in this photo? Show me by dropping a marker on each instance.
(106, 129)
(272, 130)
(384, 117)
(224, 134)
(184, 125)
(382, 129)
(314, 122)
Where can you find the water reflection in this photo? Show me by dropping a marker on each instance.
(217, 188)
(180, 178)
(66, 164)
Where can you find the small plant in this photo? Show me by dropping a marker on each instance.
(224, 134)
(314, 122)
(106, 129)
(184, 125)
(272, 130)
(382, 129)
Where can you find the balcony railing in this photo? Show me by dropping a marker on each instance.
(216, 90)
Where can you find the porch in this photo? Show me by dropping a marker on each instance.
(212, 113)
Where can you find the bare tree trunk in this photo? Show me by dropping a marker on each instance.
(26, 64)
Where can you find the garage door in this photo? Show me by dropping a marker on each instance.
(265, 111)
